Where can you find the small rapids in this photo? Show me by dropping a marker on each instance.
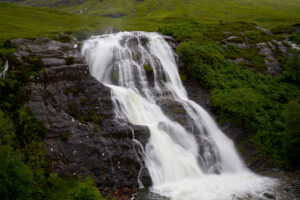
(191, 162)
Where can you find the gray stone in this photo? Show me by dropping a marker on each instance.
(273, 66)
(263, 30)
(107, 150)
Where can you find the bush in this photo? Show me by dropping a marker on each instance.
(29, 128)
(86, 191)
(292, 68)
(82, 34)
(65, 38)
(295, 38)
(243, 94)
(7, 132)
(291, 116)
(70, 60)
(16, 179)
(241, 105)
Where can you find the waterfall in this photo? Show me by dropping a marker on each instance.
(3, 73)
(190, 162)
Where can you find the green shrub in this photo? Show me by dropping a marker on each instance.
(291, 116)
(16, 179)
(295, 38)
(64, 136)
(7, 132)
(65, 38)
(91, 117)
(243, 94)
(148, 68)
(36, 63)
(242, 105)
(86, 191)
(70, 60)
(72, 90)
(73, 110)
(82, 34)
(29, 128)
(292, 68)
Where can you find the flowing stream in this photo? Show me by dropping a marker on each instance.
(186, 162)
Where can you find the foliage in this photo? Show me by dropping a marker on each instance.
(70, 60)
(65, 38)
(292, 130)
(292, 68)
(16, 179)
(243, 94)
(148, 68)
(295, 38)
(90, 116)
(29, 128)
(22, 171)
(7, 131)
(82, 34)
(86, 191)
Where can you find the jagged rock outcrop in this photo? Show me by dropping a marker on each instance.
(83, 138)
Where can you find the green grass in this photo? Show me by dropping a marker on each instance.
(263, 12)
(268, 107)
(27, 22)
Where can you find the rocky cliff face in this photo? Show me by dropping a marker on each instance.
(83, 138)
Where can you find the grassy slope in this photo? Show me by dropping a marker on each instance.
(147, 15)
(26, 22)
(264, 12)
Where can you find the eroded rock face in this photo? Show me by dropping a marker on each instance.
(83, 138)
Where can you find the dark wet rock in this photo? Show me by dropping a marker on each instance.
(53, 61)
(62, 96)
(145, 194)
(51, 52)
(269, 196)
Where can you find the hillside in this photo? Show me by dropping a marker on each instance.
(264, 12)
(16, 21)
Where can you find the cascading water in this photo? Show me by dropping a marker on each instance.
(3, 73)
(185, 162)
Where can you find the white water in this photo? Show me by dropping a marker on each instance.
(191, 162)
(3, 73)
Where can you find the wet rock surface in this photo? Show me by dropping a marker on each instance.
(83, 138)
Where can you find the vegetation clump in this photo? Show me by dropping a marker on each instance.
(70, 60)
(24, 169)
(91, 116)
(148, 68)
(242, 94)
